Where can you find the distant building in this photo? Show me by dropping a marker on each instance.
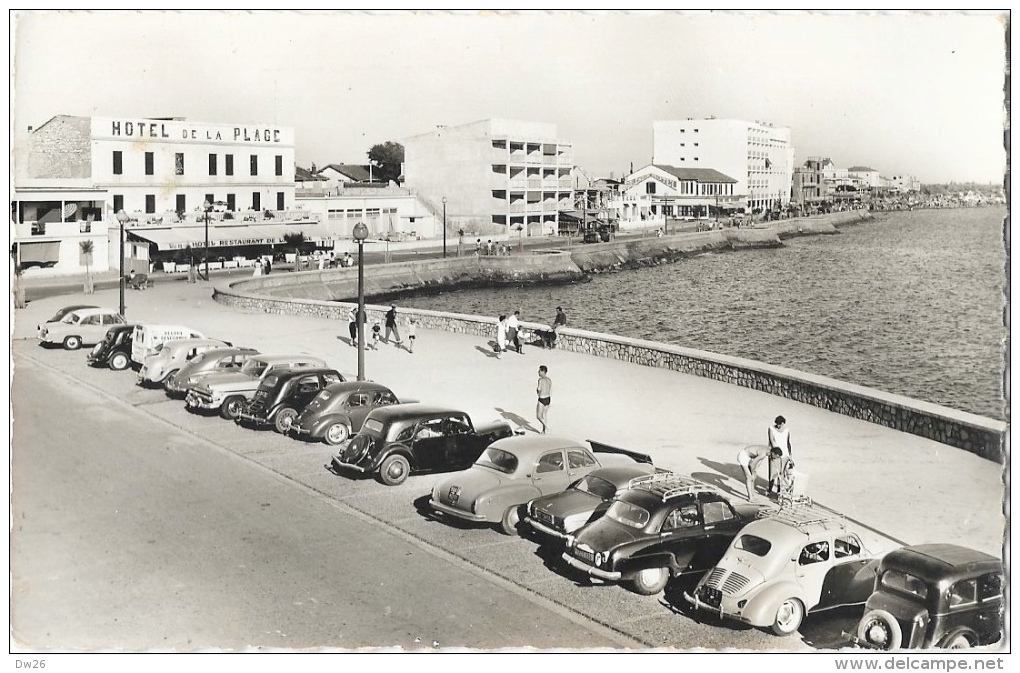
(904, 183)
(495, 175)
(308, 181)
(865, 178)
(655, 194)
(810, 187)
(758, 155)
(339, 175)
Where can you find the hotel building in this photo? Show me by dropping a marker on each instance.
(656, 194)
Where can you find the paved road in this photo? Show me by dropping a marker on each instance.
(131, 533)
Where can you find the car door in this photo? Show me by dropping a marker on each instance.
(462, 446)
(720, 526)
(428, 444)
(579, 463)
(92, 330)
(851, 577)
(304, 390)
(812, 565)
(679, 534)
(550, 473)
(357, 406)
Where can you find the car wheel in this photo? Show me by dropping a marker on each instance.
(284, 419)
(72, 343)
(119, 362)
(880, 629)
(394, 470)
(649, 581)
(336, 434)
(958, 642)
(231, 407)
(511, 519)
(788, 617)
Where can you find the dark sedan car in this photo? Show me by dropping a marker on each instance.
(339, 411)
(398, 440)
(662, 526)
(114, 350)
(556, 516)
(282, 395)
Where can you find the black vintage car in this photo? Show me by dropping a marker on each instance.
(282, 396)
(339, 411)
(934, 595)
(398, 440)
(114, 351)
(662, 526)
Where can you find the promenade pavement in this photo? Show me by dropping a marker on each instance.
(905, 488)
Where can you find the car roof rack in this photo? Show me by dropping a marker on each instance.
(670, 485)
(801, 511)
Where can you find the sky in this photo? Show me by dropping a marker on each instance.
(903, 93)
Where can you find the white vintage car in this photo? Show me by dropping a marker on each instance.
(170, 356)
(84, 326)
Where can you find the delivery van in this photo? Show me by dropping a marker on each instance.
(147, 339)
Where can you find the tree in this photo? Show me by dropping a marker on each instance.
(87, 247)
(296, 241)
(388, 159)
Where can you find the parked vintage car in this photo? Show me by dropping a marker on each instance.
(934, 595)
(515, 470)
(557, 515)
(283, 395)
(340, 410)
(170, 356)
(85, 326)
(225, 392)
(217, 360)
(396, 441)
(792, 560)
(114, 351)
(661, 526)
(62, 313)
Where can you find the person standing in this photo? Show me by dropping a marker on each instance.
(559, 321)
(412, 328)
(513, 329)
(544, 390)
(269, 265)
(391, 325)
(478, 248)
(780, 451)
(501, 336)
(258, 268)
(352, 325)
(749, 458)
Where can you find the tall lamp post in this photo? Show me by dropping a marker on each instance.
(360, 234)
(206, 206)
(444, 227)
(122, 217)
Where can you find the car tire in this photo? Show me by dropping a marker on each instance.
(119, 362)
(508, 525)
(284, 419)
(959, 641)
(231, 407)
(880, 629)
(649, 581)
(336, 434)
(72, 342)
(394, 470)
(789, 616)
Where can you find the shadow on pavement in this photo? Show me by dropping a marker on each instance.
(521, 422)
(488, 352)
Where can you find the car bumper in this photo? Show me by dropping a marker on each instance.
(196, 402)
(455, 512)
(601, 574)
(719, 611)
(250, 418)
(545, 529)
(341, 465)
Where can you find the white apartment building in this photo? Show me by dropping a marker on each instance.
(904, 183)
(865, 178)
(758, 155)
(493, 176)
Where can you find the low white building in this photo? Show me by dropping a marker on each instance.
(653, 195)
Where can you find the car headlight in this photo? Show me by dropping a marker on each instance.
(598, 558)
(569, 541)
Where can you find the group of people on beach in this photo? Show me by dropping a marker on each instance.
(377, 335)
(779, 452)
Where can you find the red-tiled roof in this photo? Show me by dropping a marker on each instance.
(697, 174)
(305, 175)
(356, 172)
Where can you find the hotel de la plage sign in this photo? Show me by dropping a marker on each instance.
(179, 131)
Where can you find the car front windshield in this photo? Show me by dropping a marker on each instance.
(753, 544)
(499, 460)
(254, 367)
(628, 514)
(596, 486)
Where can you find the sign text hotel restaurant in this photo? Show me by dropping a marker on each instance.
(163, 130)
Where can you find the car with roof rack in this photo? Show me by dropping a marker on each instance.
(554, 517)
(793, 559)
(661, 526)
(934, 595)
(514, 470)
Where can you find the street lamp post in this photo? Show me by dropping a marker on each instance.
(207, 207)
(520, 238)
(122, 217)
(360, 234)
(444, 227)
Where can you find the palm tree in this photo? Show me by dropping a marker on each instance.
(87, 247)
(296, 241)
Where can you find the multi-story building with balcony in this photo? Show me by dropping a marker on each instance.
(494, 176)
(758, 155)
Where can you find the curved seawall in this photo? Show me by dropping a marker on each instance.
(976, 434)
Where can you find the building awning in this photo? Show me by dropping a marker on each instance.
(179, 238)
(42, 252)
